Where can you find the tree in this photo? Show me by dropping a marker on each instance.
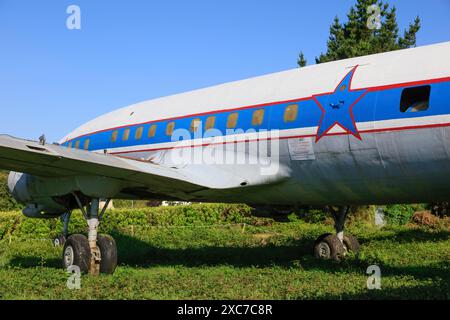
(301, 60)
(371, 28)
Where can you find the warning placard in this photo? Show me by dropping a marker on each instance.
(301, 149)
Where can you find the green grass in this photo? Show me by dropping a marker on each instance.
(232, 262)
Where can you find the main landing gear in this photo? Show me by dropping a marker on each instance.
(93, 254)
(335, 246)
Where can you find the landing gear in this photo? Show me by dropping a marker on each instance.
(335, 246)
(95, 253)
(77, 252)
(60, 240)
(108, 252)
(351, 243)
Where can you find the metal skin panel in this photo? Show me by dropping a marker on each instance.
(405, 167)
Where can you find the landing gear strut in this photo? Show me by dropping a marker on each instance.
(60, 240)
(95, 253)
(335, 246)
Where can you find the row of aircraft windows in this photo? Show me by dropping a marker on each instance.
(76, 145)
(412, 100)
(290, 115)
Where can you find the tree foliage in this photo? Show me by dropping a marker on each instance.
(7, 202)
(355, 38)
(301, 60)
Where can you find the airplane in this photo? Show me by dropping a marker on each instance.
(367, 130)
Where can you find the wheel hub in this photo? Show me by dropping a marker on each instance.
(68, 256)
(324, 250)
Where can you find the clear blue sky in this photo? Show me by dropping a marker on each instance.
(53, 79)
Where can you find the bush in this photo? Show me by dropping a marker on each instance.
(441, 209)
(19, 226)
(400, 214)
(129, 204)
(7, 202)
(357, 214)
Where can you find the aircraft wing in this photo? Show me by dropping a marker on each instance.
(52, 160)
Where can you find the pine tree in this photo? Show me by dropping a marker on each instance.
(355, 38)
(301, 61)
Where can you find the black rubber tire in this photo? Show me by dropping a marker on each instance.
(351, 243)
(320, 239)
(59, 240)
(108, 253)
(329, 247)
(79, 245)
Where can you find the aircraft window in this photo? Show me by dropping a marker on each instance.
(138, 134)
(170, 127)
(195, 124)
(210, 122)
(69, 145)
(77, 144)
(291, 112)
(415, 99)
(86, 144)
(258, 117)
(126, 135)
(232, 120)
(152, 131)
(114, 136)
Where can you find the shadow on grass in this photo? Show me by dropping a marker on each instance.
(410, 235)
(137, 253)
(33, 261)
(134, 252)
(298, 254)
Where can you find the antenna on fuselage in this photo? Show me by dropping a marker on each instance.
(42, 139)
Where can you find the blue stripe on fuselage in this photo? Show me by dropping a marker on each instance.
(374, 106)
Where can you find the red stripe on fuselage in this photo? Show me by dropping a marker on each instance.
(369, 89)
(404, 128)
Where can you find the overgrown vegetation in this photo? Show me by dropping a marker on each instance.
(400, 214)
(221, 252)
(14, 224)
(6, 201)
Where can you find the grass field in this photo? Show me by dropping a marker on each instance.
(236, 262)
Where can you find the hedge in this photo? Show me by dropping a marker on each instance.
(18, 226)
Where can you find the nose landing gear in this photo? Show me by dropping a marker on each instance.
(335, 246)
(94, 254)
